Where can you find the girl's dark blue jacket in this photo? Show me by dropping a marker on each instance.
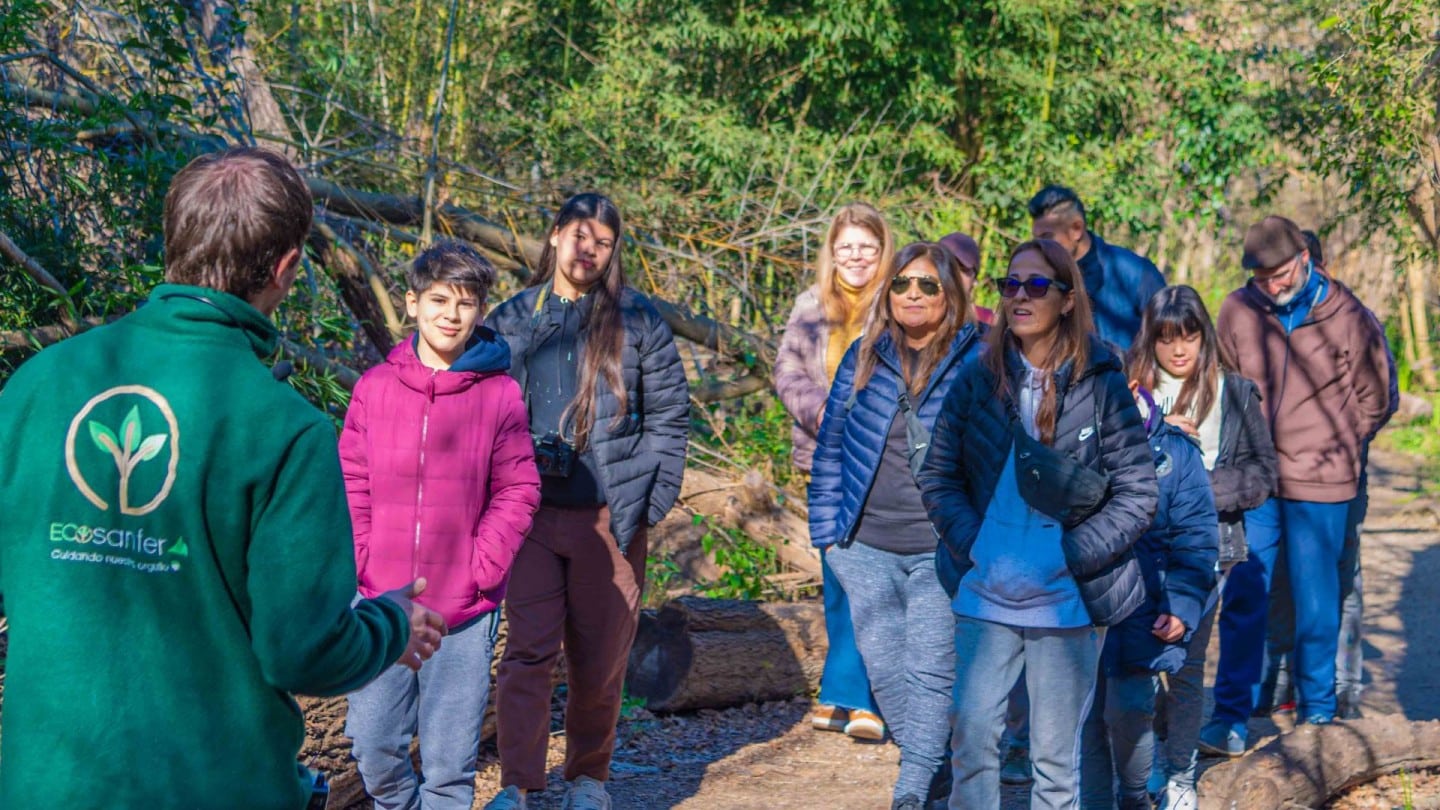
(1098, 425)
(852, 436)
(1177, 557)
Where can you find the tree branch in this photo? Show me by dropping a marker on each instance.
(43, 277)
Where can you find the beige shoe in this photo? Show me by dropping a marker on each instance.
(829, 718)
(865, 725)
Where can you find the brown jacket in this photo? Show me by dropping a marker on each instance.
(800, 377)
(1325, 386)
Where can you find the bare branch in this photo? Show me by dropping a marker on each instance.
(43, 277)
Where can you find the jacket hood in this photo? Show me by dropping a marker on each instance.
(486, 353)
(1101, 358)
(200, 309)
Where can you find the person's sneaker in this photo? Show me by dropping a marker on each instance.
(586, 794)
(1015, 767)
(508, 799)
(1178, 797)
(829, 718)
(1348, 708)
(1221, 740)
(865, 725)
(908, 802)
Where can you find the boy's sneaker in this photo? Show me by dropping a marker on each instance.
(1219, 739)
(1178, 797)
(865, 725)
(586, 794)
(829, 718)
(508, 799)
(1015, 767)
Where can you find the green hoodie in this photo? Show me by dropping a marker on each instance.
(175, 561)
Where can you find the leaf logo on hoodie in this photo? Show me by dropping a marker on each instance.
(144, 432)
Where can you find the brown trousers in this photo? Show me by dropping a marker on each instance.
(569, 585)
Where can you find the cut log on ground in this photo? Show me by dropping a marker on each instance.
(1309, 766)
(696, 653)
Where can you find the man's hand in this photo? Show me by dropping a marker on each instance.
(1168, 629)
(426, 626)
(1187, 425)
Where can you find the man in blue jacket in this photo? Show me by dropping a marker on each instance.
(1119, 281)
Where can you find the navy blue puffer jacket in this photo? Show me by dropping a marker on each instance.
(972, 441)
(1176, 555)
(852, 437)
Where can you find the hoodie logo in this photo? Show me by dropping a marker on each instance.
(116, 421)
(1086, 432)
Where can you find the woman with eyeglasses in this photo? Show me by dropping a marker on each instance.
(865, 505)
(826, 319)
(1039, 479)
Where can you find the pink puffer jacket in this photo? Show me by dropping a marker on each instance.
(440, 473)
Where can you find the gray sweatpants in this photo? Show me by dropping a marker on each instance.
(904, 629)
(1060, 672)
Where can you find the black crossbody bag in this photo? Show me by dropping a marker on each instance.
(1053, 482)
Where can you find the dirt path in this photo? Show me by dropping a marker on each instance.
(767, 756)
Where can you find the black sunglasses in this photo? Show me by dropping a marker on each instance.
(901, 285)
(1035, 287)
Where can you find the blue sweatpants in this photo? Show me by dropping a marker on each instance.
(1312, 537)
(843, 682)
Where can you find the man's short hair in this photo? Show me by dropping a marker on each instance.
(1058, 199)
(451, 262)
(231, 216)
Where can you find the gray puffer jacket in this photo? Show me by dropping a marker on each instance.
(642, 460)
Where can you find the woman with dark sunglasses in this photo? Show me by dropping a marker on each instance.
(1036, 572)
(865, 504)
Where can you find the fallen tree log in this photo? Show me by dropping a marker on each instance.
(1312, 764)
(696, 653)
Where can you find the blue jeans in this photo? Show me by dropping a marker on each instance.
(1062, 666)
(445, 702)
(1311, 536)
(843, 682)
(1119, 742)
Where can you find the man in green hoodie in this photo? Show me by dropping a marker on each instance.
(175, 552)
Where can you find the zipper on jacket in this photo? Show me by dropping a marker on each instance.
(420, 474)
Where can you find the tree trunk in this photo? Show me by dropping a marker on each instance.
(227, 43)
(1420, 322)
(696, 653)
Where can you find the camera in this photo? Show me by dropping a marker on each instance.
(554, 457)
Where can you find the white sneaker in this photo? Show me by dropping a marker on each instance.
(1178, 797)
(508, 799)
(586, 794)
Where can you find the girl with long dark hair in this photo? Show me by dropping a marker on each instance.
(1178, 356)
(865, 504)
(1038, 480)
(609, 414)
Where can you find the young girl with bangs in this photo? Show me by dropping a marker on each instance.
(1178, 357)
(1037, 569)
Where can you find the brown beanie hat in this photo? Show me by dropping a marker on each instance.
(1271, 242)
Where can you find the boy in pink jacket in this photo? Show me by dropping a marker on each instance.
(441, 478)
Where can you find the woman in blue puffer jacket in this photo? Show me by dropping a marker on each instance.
(865, 504)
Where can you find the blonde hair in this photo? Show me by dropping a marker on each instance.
(862, 215)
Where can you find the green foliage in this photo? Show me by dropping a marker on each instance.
(661, 576)
(744, 564)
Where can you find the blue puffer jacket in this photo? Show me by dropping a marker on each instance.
(852, 441)
(972, 441)
(1119, 290)
(1177, 557)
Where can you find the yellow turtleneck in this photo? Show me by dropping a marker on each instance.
(843, 334)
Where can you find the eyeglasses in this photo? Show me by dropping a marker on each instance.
(1035, 286)
(900, 285)
(867, 250)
